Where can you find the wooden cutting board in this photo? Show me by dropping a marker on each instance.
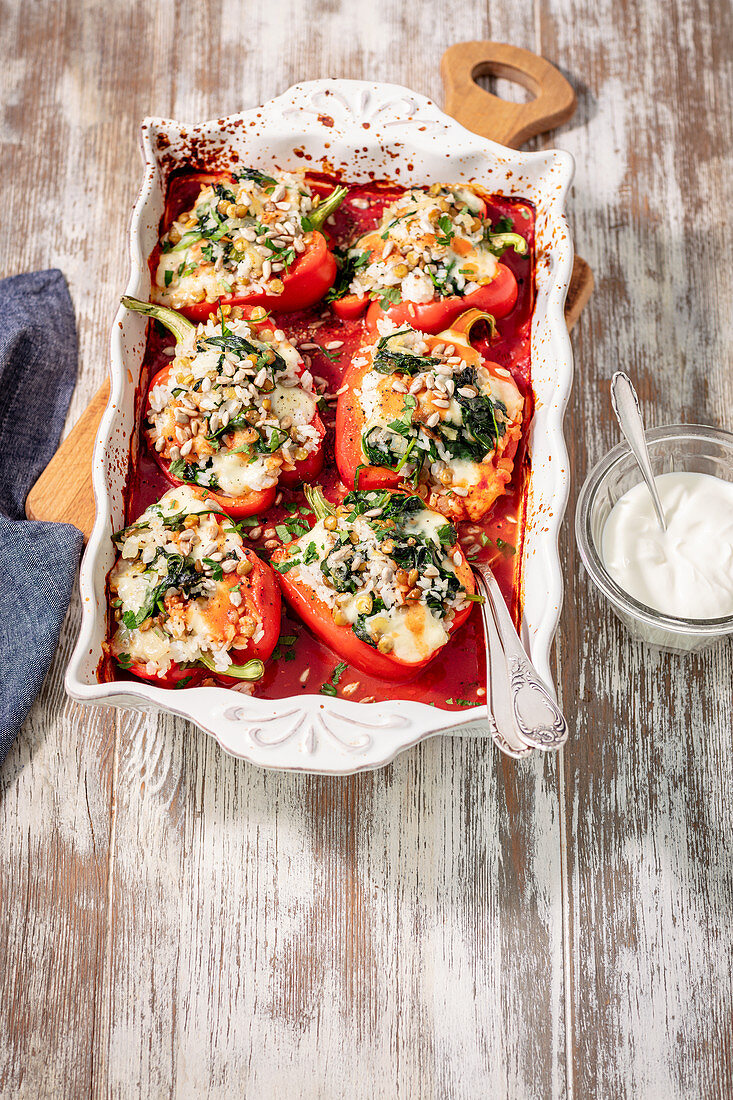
(63, 492)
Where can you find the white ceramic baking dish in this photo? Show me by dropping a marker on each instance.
(364, 131)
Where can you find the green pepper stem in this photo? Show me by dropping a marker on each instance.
(325, 209)
(319, 504)
(508, 240)
(175, 322)
(465, 322)
(251, 670)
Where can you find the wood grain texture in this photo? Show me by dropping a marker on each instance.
(175, 923)
(647, 777)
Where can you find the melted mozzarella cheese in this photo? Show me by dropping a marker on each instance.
(483, 263)
(150, 645)
(413, 629)
(426, 523)
(469, 199)
(293, 402)
(204, 279)
(465, 472)
(506, 391)
(197, 623)
(237, 476)
(186, 499)
(132, 585)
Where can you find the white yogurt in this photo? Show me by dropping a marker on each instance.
(686, 571)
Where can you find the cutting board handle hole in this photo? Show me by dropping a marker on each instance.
(511, 89)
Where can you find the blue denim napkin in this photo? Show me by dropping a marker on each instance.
(38, 358)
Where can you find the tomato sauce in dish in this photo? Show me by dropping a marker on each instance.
(456, 677)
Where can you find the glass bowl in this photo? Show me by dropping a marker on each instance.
(691, 448)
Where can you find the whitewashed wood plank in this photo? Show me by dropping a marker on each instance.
(648, 774)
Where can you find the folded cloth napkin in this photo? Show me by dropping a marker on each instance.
(38, 359)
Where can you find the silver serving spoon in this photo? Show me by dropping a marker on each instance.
(498, 696)
(628, 413)
(525, 716)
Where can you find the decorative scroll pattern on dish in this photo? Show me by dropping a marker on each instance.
(364, 106)
(304, 728)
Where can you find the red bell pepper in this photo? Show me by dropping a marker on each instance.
(497, 298)
(350, 307)
(259, 599)
(253, 501)
(342, 639)
(304, 282)
(352, 463)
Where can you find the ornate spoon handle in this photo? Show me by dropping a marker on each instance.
(539, 723)
(498, 688)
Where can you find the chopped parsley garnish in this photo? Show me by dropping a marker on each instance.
(216, 570)
(447, 232)
(387, 296)
(329, 688)
(285, 566)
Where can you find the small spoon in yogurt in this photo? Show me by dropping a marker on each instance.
(628, 413)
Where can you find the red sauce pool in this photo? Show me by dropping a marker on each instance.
(456, 677)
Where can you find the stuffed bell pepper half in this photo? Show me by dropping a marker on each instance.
(250, 239)
(380, 579)
(428, 412)
(433, 255)
(189, 598)
(235, 411)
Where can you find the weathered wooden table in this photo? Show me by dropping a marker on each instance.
(176, 923)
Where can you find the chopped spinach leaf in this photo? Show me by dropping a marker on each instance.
(348, 262)
(260, 178)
